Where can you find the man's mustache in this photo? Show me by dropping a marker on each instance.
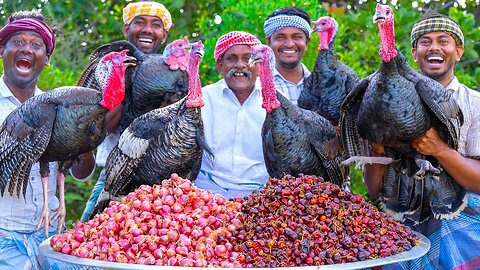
(247, 73)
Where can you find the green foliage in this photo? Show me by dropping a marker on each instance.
(357, 41)
(76, 197)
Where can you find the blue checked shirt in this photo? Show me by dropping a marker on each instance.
(288, 89)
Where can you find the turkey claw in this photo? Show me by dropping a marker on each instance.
(362, 160)
(45, 221)
(60, 215)
(425, 166)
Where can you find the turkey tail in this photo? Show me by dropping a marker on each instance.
(123, 159)
(331, 160)
(352, 143)
(99, 207)
(447, 198)
(18, 154)
(103, 202)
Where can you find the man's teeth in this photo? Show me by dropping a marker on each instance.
(435, 58)
(147, 40)
(289, 51)
(238, 74)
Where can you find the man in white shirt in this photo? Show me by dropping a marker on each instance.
(233, 117)
(287, 32)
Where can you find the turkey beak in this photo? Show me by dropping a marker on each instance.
(378, 17)
(200, 53)
(254, 59)
(130, 61)
(313, 30)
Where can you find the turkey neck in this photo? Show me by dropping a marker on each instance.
(326, 59)
(113, 89)
(269, 94)
(387, 41)
(194, 98)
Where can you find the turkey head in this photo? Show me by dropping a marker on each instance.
(110, 72)
(175, 54)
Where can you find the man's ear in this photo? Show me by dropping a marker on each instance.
(218, 65)
(126, 27)
(414, 54)
(267, 40)
(47, 61)
(164, 39)
(460, 49)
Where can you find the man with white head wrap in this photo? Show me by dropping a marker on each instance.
(287, 32)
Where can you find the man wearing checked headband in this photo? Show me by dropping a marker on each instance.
(437, 44)
(287, 32)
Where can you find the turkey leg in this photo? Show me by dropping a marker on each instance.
(61, 211)
(45, 216)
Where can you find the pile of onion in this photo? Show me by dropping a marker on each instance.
(172, 224)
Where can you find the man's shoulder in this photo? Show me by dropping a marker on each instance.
(471, 92)
(214, 86)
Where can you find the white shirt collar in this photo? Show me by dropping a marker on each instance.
(5, 92)
(454, 84)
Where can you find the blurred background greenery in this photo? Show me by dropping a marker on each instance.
(85, 25)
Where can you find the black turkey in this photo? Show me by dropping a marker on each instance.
(330, 81)
(393, 106)
(294, 140)
(161, 142)
(59, 125)
(156, 81)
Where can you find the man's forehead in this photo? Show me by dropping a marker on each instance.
(288, 31)
(147, 18)
(435, 34)
(27, 32)
(239, 50)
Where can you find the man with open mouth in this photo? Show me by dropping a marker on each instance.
(437, 44)
(146, 25)
(26, 45)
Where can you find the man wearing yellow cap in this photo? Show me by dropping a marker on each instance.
(146, 25)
